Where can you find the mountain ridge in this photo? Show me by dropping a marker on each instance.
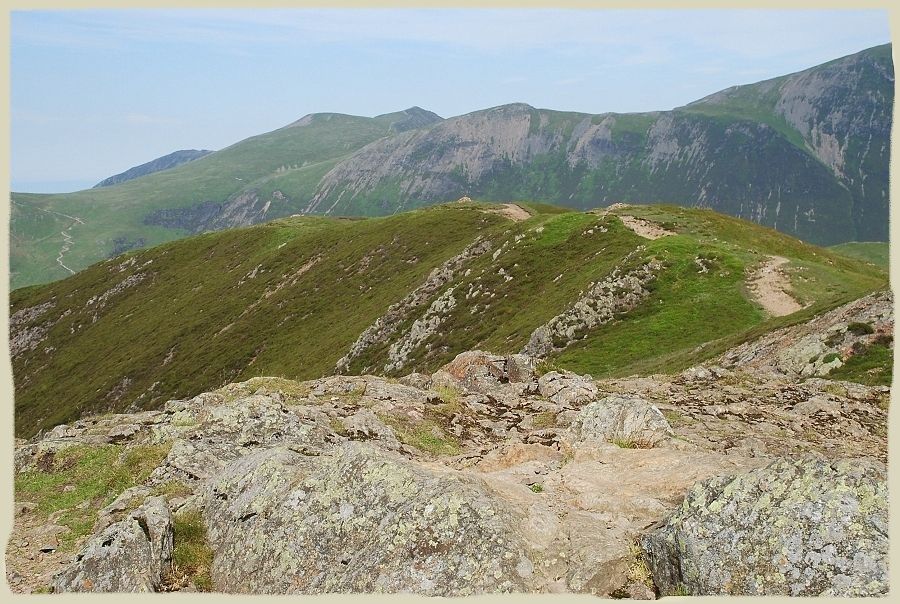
(165, 162)
(806, 168)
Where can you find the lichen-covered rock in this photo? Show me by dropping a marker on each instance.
(416, 380)
(473, 365)
(365, 425)
(292, 504)
(132, 555)
(501, 376)
(566, 388)
(362, 520)
(222, 430)
(127, 500)
(628, 419)
(520, 368)
(802, 528)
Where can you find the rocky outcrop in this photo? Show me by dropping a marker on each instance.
(489, 373)
(386, 325)
(567, 388)
(626, 420)
(421, 330)
(24, 333)
(132, 555)
(618, 293)
(438, 532)
(480, 478)
(241, 209)
(365, 425)
(796, 528)
(820, 345)
(192, 218)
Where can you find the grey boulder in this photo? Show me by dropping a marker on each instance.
(362, 520)
(809, 527)
(566, 388)
(626, 419)
(132, 555)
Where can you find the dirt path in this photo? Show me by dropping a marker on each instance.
(514, 212)
(66, 246)
(769, 286)
(68, 241)
(32, 552)
(644, 228)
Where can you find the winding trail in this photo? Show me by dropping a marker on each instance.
(769, 286)
(68, 241)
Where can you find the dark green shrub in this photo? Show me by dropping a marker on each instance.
(860, 329)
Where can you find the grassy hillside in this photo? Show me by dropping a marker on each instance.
(289, 298)
(297, 154)
(876, 252)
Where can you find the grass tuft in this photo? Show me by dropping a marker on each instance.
(872, 366)
(192, 556)
(90, 476)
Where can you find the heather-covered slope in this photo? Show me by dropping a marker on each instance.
(611, 292)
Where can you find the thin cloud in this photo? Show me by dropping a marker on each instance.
(649, 36)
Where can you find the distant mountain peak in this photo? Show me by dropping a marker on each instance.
(176, 158)
(806, 154)
(513, 107)
(409, 119)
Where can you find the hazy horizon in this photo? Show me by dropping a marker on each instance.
(141, 84)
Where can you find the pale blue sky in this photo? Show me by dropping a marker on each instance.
(96, 92)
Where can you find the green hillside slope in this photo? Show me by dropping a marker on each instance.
(876, 252)
(171, 204)
(297, 297)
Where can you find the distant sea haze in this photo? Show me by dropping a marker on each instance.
(51, 186)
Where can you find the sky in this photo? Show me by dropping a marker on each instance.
(94, 93)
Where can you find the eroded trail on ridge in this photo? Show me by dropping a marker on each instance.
(644, 228)
(514, 212)
(769, 285)
(68, 241)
